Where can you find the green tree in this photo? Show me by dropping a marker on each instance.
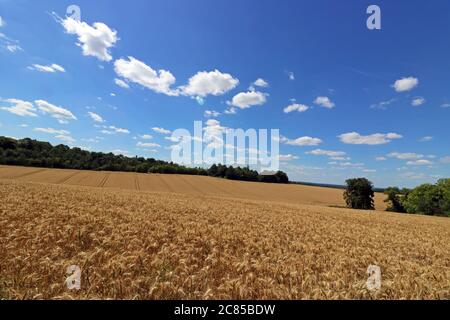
(359, 194)
(395, 198)
(425, 199)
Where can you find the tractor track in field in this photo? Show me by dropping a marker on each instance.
(136, 182)
(27, 174)
(190, 184)
(104, 180)
(65, 179)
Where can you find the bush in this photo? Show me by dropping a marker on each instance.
(359, 194)
(430, 199)
(396, 198)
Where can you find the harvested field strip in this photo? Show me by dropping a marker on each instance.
(191, 184)
(70, 176)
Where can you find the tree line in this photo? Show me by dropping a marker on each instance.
(428, 199)
(33, 153)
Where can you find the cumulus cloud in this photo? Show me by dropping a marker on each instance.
(61, 114)
(209, 83)
(287, 157)
(49, 69)
(148, 145)
(52, 131)
(380, 158)
(301, 141)
(211, 114)
(146, 137)
(121, 83)
(328, 153)
(405, 155)
(230, 110)
(324, 102)
(161, 130)
(244, 100)
(373, 139)
(295, 107)
(421, 162)
(20, 108)
(96, 117)
(405, 84)
(138, 72)
(114, 130)
(2, 22)
(426, 139)
(417, 101)
(67, 139)
(261, 83)
(95, 40)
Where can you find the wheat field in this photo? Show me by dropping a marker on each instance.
(138, 236)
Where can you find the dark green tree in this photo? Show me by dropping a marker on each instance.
(359, 194)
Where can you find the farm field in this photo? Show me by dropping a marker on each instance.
(184, 184)
(138, 236)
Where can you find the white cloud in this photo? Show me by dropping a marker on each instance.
(380, 158)
(421, 162)
(302, 141)
(209, 83)
(405, 84)
(113, 130)
(445, 160)
(121, 83)
(148, 145)
(405, 156)
(96, 117)
(369, 170)
(211, 114)
(426, 139)
(445, 105)
(244, 100)
(49, 69)
(66, 138)
(231, 110)
(138, 72)
(52, 131)
(417, 101)
(261, 83)
(290, 75)
(59, 113)
(324, 102)
(328, 153)
(373, 139)
(2, 22)
(20, 108)
(295, 107)
(161, 130)
(287, 157)
(383, 104)
(146, 137)
(13, 48)
(95, 40)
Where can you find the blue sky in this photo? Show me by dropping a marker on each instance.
(348, 101)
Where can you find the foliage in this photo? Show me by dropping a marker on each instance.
(395, 199)
(359, 194)
(27, 152)
(430, 199)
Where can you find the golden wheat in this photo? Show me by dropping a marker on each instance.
(158, 245)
